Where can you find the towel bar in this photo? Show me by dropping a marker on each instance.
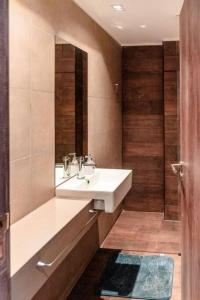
(43, 264)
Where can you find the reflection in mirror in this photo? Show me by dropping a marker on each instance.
(71, 130)
(1, 243)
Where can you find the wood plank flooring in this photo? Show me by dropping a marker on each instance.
(144, 231)
(134, 233)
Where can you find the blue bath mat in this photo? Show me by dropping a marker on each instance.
(140, 277)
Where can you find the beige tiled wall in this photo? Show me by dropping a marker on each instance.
(33, 26)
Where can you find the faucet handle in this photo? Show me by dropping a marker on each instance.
(81, 160)
(90, 160)
(89, 156)
(66, 158)
(72, 154)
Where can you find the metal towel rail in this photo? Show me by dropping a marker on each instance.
(43, 264)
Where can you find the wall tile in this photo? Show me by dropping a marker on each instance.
(43, 14)
(42, 60)
(42, 122)
(100, 83)
(74, 25)
(20, 192)
(42, 178)
(33, 25)
(102, 127)
(19, 46)
(19, 123)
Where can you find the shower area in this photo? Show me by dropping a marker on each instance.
(150, 77)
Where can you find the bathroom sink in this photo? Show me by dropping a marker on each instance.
(107, 187)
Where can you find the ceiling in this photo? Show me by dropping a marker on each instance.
(159, 17)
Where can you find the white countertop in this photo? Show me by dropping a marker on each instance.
(30, 234)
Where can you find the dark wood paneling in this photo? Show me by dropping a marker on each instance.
(143, 141)
(70, 101)
(67, 274)
(64, 100)
(81, 109)
(142, 59)
(190, 147)
(171, 127)
(4, 152)
(106, 221)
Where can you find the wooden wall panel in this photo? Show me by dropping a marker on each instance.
(105, 223)
(71, 112)
(81, 105)
(171, 127)
(64, 100)
(143, 141)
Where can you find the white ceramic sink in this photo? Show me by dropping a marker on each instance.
(107, 187)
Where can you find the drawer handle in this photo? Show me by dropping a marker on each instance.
(43, 264)
(178, 169)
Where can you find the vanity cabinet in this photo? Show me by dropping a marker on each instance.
(63, 279)
(49, 252)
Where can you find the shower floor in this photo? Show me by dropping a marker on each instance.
(137, 233)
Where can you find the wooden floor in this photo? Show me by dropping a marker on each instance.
(134, 233)
(141, 231)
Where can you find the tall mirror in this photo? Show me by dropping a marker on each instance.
(71, 113)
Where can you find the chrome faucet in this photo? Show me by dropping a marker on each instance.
(80, 167)
(68, 166)
(66, 160)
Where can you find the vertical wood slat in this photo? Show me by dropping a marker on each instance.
(171, 127)
(143, 140)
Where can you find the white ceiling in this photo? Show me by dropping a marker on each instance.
(159, 16)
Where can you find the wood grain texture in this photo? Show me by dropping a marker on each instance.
(144, 231)
(106, 221)
(66, 275)
(70, 101)
(81, 105)
(127, 235)
(4, 150)
(171, 127)
(190, 147)
(64, 100)
(143, 140)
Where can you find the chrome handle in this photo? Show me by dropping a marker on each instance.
(93, 211)
(43, 264)
(178, 169)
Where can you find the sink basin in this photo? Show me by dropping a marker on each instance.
(107, 187)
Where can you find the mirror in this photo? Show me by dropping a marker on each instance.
(71, 113)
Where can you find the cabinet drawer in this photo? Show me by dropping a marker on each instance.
(31, 277)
